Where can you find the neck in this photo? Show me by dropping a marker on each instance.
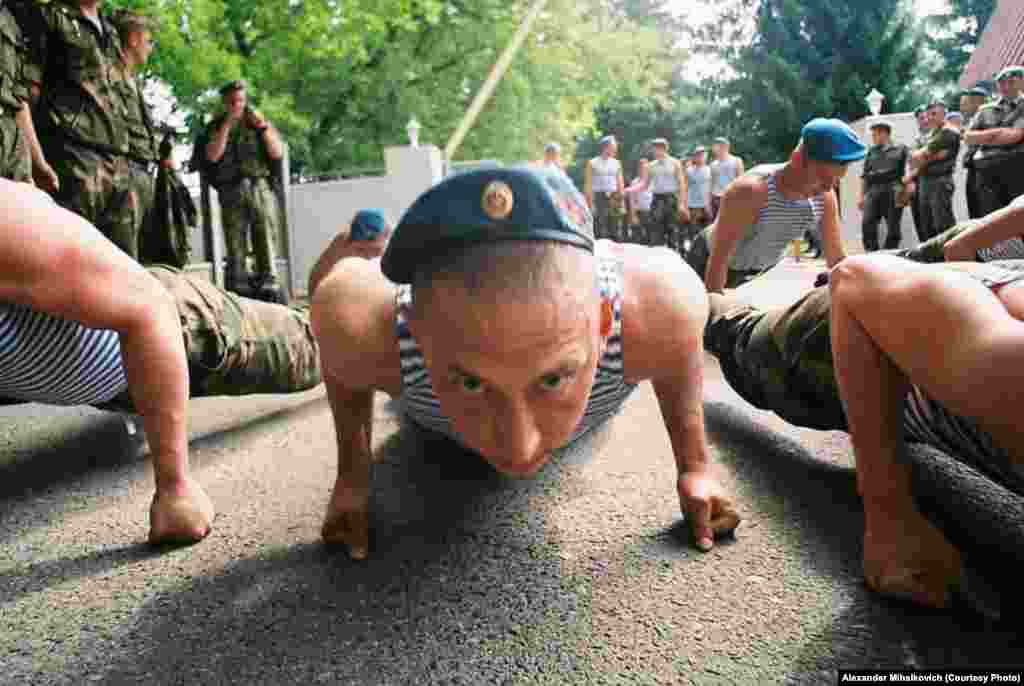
(89, 8)
(789, 183)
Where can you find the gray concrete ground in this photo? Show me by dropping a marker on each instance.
(581, 576)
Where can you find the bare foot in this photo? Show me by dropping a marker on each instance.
(181, 516)
(347, 522)
(906, 557)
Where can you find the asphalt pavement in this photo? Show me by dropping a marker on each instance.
(583, 575)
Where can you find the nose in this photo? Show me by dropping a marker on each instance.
(519, 439)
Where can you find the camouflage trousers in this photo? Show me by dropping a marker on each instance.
(780, 360)
(608, 216)
(101, 188)
(250, 209)
(935, 194)
(933, 250)
(663, 224)
(15, 161)
(238, 346)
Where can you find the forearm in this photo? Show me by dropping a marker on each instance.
(717, 271)
(216, 147)
(681, 400)
(275, 146)
(353, 425)
(28, 129)
(153, 354)
(994, 228)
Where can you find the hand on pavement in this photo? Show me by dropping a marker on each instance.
(348, 522)
(180, 514)
(706, 504)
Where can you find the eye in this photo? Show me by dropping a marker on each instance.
(554, 382)
(470, 385)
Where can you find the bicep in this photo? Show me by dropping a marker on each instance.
(56, 262)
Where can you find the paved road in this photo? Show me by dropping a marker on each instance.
(581, 576)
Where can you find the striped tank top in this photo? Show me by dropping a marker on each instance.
(50, 360)
(610, 390)
(779, 222)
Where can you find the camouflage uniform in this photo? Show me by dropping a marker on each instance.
(239, 346)
(781, 360)
(936, 184)
(883, 169)
(934, 249)
(91, 120)
(997, 166)
(915, 200)
(15, 161)
(663, 221)
(248, 201)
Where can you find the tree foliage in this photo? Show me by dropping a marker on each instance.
(954, 34)
(341, 78)
(799, 59)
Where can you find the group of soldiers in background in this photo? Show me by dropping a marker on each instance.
(921, 176)
(73, 120)
(670, 200)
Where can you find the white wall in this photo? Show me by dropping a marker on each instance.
(904, 130)
(318, 211)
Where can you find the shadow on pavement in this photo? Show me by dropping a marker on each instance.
(820, 501)
(461, 587)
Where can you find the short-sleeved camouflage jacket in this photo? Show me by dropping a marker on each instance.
(87, 93)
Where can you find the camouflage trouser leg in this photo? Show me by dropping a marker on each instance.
(15, 161)
(664, 227)
(238, 346)
(780, 359)
(143, 182)
(608, 220)
(250, 206)
(933, 249)
(99, 187)
(936, 206)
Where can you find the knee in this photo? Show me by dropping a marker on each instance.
(860, 276)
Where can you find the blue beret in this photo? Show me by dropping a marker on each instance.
(1011, 72)
(367, 225)
(977, 91)
(831, 140)
(606, 140)
(488, 205)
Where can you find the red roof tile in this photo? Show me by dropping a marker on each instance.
(1001, 44)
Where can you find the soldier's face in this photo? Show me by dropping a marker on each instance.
(824, 175)
(514, 374)
(235, 101)
(1014, 86)
(936, 116)
(140, 44)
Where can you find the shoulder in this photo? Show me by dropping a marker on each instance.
(353, 317)
(664, 309)
(749, 188)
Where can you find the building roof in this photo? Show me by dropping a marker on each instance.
(1001, 44)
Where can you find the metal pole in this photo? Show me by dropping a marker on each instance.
(497, 71)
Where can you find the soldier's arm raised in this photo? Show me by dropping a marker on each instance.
(219, 141)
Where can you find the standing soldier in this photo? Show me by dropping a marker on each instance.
(883, 169)
(666, 180)
(240, 149)
(996, 135)
(909, 181)
(933, 167)
(698, 196)
(724, 169)
(88, 114)
(605, 189)
(15, 120)
(970, 103)
(137, 42)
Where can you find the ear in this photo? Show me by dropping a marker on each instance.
(607, 318)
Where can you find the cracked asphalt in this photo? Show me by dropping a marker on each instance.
(584, 575)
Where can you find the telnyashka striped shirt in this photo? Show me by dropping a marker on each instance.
(50, 360)
(609, 392)
(779, 222)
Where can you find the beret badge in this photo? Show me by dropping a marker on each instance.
(498, 200)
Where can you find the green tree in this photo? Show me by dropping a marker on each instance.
(341, 79)
(807, 58)
(954, 34)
